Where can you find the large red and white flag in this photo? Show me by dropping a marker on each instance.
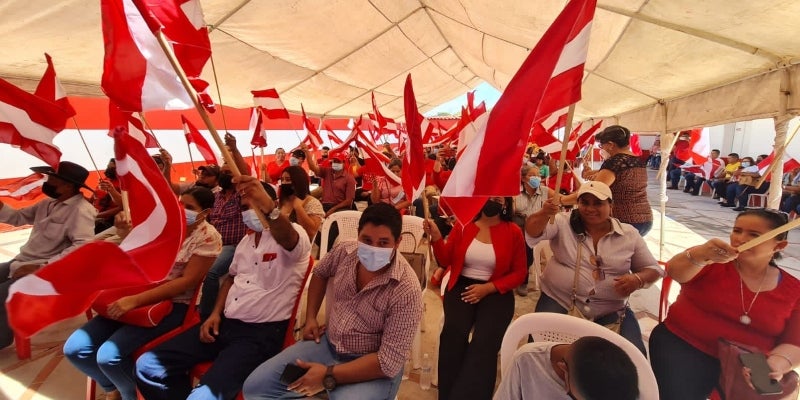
(193, 136)
(259, 138)
(270, 103)
(375, 164)
(789, 162)
(414, 158)
(137, 75)
(50, 88)
(30, 123)
(548, 81)
(384, 125)
(333, 139)
(313, 138)
(67, 287)
(545, 140)
(27, 188)
(132, 124)
(583, 140)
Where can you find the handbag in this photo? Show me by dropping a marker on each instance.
(575, 311)
(145, 316)
(732, 384)
(416, 260)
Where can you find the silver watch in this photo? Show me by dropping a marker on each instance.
(276, 212)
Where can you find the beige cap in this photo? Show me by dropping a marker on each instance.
(597, 189)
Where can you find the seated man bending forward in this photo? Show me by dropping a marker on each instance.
(257, 299)
(374, 308)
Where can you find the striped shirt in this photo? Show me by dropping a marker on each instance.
(381, 318)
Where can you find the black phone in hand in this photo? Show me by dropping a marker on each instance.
(759, 373)
(292, 373)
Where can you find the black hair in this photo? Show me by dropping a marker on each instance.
(382, 214)
(575, 220)
(713, 150)
(395, 161)
(270, 191)
(299, 154)
(617, 134)
(299, 180)
(733, 155)
(600, 370)
(203, 196)
(506, 214)
(774, 219)
(432, 156)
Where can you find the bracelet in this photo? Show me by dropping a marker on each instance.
(791, 364)
(692, 260)
(641, 282)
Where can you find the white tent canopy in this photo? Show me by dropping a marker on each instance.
(653, 65)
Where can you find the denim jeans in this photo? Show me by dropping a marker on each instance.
(629, 328)
(211, 284)
(6, 334)
(643, 227)
(103, 349)
(264, 382)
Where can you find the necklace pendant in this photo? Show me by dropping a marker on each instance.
(745, 319)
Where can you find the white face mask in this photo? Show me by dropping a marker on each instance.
(745, 164)
(374, 258)
(337, 166)
(294, 161)
(191, 216)
(250, 219)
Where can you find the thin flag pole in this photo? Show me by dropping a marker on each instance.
(94, 164)
(191, 160)
(261, 166)
(563, 158)
(150, 129)
(219, 93)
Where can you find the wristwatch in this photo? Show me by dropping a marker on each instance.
(329, 382)
(276, 212)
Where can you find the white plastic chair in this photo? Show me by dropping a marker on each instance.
(562, 328)
(348, 228)
(412, 227)
(757, 200)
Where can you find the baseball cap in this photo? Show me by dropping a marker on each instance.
(212, 170)
(595, 188)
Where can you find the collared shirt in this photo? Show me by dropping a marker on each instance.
(266, 278)
(531, 375)
(622, 251)
(731, 168)
(527, 204)
(336, 186)
(204, 241)
(226, 216)
(382, 317)
(274, 170)
(58, 228)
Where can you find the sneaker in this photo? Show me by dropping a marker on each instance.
(727, 205)
(739, 209)
(522, 290)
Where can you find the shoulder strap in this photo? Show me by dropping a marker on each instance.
(577, 272)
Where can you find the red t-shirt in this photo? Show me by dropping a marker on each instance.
(274, 170)
(709, 306)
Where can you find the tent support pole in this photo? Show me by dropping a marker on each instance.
(781, 122)
(662, 181)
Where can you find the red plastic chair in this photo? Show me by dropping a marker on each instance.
(23, 344)
(199, 370)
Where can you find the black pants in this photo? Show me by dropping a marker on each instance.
(682, 371)
(468, 368)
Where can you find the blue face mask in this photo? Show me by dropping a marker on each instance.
(191, 216)
(535, 181)
(294, 161)
(374, 258)
(745, 164)
(250, 219)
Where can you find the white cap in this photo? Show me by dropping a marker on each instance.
(595, 188)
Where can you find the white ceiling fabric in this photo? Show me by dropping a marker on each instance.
(652, 64)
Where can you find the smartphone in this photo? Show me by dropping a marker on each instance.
(759, 373)
(292, 373)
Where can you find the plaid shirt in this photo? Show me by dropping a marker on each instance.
(383, 317)
(226, 216)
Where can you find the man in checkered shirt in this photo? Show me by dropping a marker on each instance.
(374, 308)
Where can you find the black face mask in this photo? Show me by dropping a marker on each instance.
(324, 156)
(111, 173)
(50, 190)
(492, 208)
(203, 184)
(225, 181)
(286, 190)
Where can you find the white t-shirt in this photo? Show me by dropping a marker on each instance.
(479, 261)
(531, 375)
(266, 278)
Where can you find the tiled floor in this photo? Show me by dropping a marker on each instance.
(690, 220)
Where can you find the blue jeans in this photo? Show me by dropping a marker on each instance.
(103, 349)
(6, 334)
(211, 283)
(629, 328)
(264, 382)
(643, 227)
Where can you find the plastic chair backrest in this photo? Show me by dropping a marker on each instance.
(663, 300)
(289, 338)
(347, 222)
(411, 238)
(563, 328)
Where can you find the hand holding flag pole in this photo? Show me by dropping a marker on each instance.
(777, 159)
(563, 158)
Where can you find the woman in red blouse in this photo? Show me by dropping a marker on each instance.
(486, 260)
(276, 167)
(740, 296)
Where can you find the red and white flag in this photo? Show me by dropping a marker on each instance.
(256, 126)
(375, 164)
(27, 188)
(137, 75)
(545, 140)
(548, 81)
(313, 138)
(789, 162)
(583, 140)
(414, 158)
(193, 136)
(132, 124)
(50, 88)
(333, 139)
(270, 103)
(636, 148)
(30, 123)
(67, 287)
(345, 144)
(385, 126)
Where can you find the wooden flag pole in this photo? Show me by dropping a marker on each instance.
(563, 158)
(126, 206)
(769, 235)
(261, 166)
(191, 160)
(778, 158)
(150, 129)
(77, 128)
